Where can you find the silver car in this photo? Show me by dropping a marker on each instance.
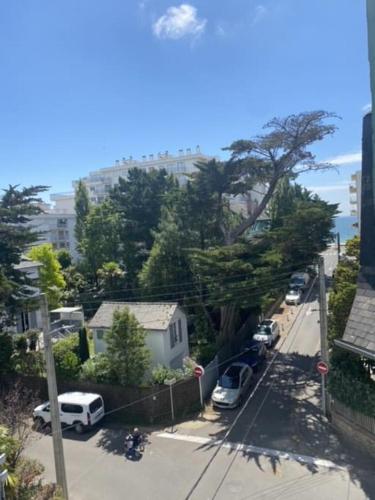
(268, 332)
(232, 386)
(293, 297)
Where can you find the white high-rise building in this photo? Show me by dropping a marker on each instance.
(100, 182)
(355, 196)
(56, 225)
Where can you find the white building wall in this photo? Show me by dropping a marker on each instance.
(174, 356)
(57, 228)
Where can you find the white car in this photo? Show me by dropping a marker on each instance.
(293, 297)
(267, 331)
(80, 410)
(232, 385)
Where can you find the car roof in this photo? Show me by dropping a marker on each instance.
(78, 397)
(238, 366)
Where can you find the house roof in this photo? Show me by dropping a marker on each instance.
(150, 315)
(24, 265)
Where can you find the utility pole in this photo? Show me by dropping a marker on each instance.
(58, 449)
(323, 331)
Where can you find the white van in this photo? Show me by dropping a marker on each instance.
(299, 280)
(78, 409)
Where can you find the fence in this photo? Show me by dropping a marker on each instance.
(209, 379)
(148, 405)
(363, 421)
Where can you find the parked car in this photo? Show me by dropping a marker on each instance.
(232, 386)
(299, 280)
(293, 296)
(253, 354)
(78, 409)
(268, 331)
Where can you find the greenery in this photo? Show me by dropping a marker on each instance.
(17, 206)
(82, 208)
(64, 258)
(98, 370)
(126, 349)
(67, 360)
(6, 352)
(162, 373)
(350, 377)
(51, 278)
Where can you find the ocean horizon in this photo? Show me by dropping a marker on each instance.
(344, 226)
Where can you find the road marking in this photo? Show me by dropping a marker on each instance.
(284, 455)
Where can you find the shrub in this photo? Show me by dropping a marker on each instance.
(161, 373)
(66, 353)
(98, 369)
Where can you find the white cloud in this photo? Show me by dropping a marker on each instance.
(178, 22)
(346, 159)
(260, 12)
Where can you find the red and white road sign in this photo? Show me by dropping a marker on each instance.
(198, 371)
(322, 368)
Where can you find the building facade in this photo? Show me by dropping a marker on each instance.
(355, 196)
(100, 182)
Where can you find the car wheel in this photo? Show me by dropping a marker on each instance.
(79, 427)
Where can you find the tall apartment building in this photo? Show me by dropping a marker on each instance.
(56, 225)
(100, 182)
(355, 189)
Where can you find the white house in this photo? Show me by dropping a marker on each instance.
(165, 324)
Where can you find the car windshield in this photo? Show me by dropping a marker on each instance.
(231, 378)
(228, 382)
(264, 329)
(298, 281)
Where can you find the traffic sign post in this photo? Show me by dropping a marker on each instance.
(198, 373)
(170, 382)
(323, 369)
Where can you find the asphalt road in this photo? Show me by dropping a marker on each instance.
(277, 445)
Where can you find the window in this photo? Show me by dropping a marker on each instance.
(179, 330)
(173, 335)
(99, 334)
(70, 408)
(95, 405)
(61, 234)
(62, 222)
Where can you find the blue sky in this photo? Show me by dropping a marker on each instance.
(85, 83)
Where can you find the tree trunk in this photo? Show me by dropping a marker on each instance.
(228, 322)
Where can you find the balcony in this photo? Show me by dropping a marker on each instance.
(352, 189)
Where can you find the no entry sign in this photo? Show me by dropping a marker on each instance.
(198, 371)
(322, 368)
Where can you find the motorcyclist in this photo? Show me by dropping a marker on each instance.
(137, 437)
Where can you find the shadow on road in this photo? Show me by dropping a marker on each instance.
(285, 415)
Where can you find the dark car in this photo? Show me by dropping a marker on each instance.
(253, 353)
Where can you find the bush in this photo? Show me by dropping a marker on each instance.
(162, 373)
(98, 369)
(204, 353)
(66, 354)
(21, 344)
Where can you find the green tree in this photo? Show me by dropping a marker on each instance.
(17, 206)
(139, 200)
(64, 258)
(66, 354)
(352, 247)
(82, 209)
(101, 243)
(168, 263)
(52, 280)
(83, 345)
(111, 277)
(126, 349)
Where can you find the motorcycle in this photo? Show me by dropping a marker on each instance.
(134, 451)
